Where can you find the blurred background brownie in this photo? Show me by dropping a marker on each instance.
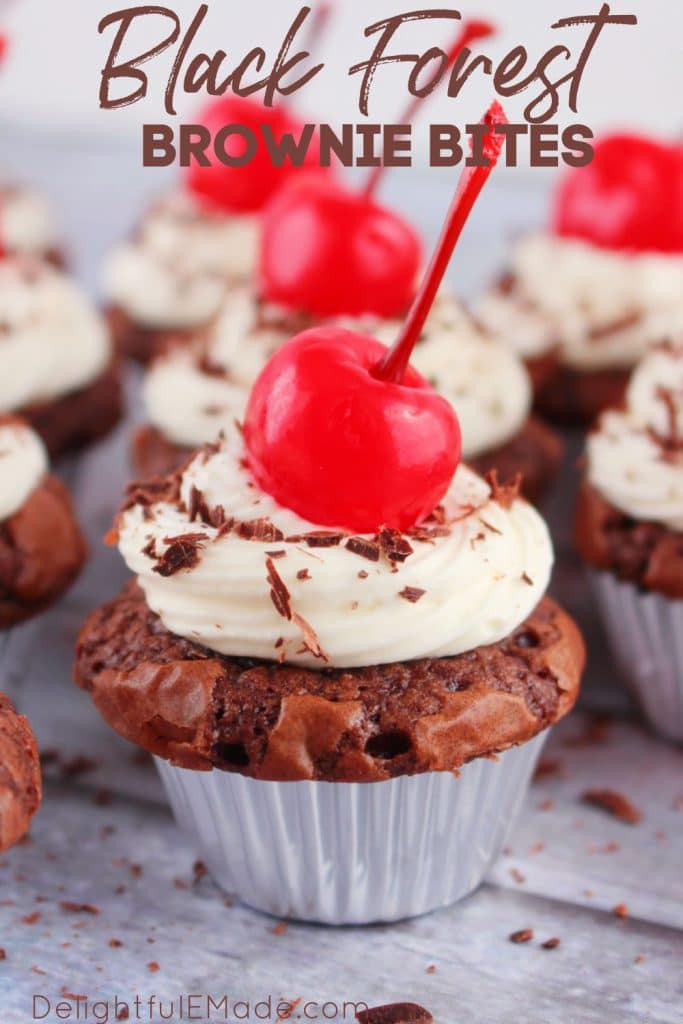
(57, 366)
(583, 301)
(41, 547)
(20, 781)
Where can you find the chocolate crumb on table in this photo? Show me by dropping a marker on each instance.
(550, 943)
(613, 803)
(523, 935)
(395, 1013)
(621, 910)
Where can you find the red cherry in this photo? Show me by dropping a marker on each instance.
(342, 430)
(342, 448)
(330, 252)
(245, 189)
(629, 198)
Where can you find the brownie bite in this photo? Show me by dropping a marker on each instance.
(42, 549)
(57, 368)
(168, 282)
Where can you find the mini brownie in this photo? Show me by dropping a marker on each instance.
(199, 710)
(194, 392)
(602, 283)
(168, 282)
(77, 420)
(647, 554)
(629, 531)
(629, 519)
(289, 716)
(57, 368)
(42, 549)
(20, 781)
(142, 344)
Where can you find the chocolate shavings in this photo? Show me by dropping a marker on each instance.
(181, 553)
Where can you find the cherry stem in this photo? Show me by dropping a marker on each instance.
(320, 16)
(392, 367)
(469, 33)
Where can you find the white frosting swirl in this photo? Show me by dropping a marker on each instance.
(635, 457)
(23, 464)
(175, 273)
(601, 309)
(26, 223)
(472, 584)
(52, 340)
(189, 401)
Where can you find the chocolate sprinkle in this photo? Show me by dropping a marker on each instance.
(363, 547)
(396, 1013)
(182, 553)
(618, 806)
(279, 594)
(394, 545)
(504, 494)
(412, 594)
(261, 530)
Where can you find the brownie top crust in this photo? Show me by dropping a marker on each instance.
(202, 710)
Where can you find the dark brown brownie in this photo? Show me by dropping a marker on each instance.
(269, 721)
(42, 552)
(79, 418)
(20, 785)
(142, 344)
(577, 399)
(647, 554)
(567, 396)
(536, 453)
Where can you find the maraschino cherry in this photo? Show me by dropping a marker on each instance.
(248, 189)
(630, 198)
(329, 251)
(244, 189)
(342, 430)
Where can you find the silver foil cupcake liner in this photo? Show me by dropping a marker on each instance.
(645, 632)
(350, 853)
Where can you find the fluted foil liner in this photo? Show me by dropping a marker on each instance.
(350, 853)
(645, 632)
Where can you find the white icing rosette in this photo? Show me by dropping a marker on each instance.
(54, 341)
(192, 393)
(602, 310)
(23, 465)
(175, 273)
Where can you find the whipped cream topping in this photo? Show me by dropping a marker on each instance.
(227, 567)
(174, 274)
(635, 456)
(191, 394)
(52, 340)
(23, 464)
(26, 224)
(600, 309)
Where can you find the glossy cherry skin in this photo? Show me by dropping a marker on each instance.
(330, 252)
(630, 198)
(245, 189)
(340, 447)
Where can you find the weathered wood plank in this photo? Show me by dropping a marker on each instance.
(597, 974)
